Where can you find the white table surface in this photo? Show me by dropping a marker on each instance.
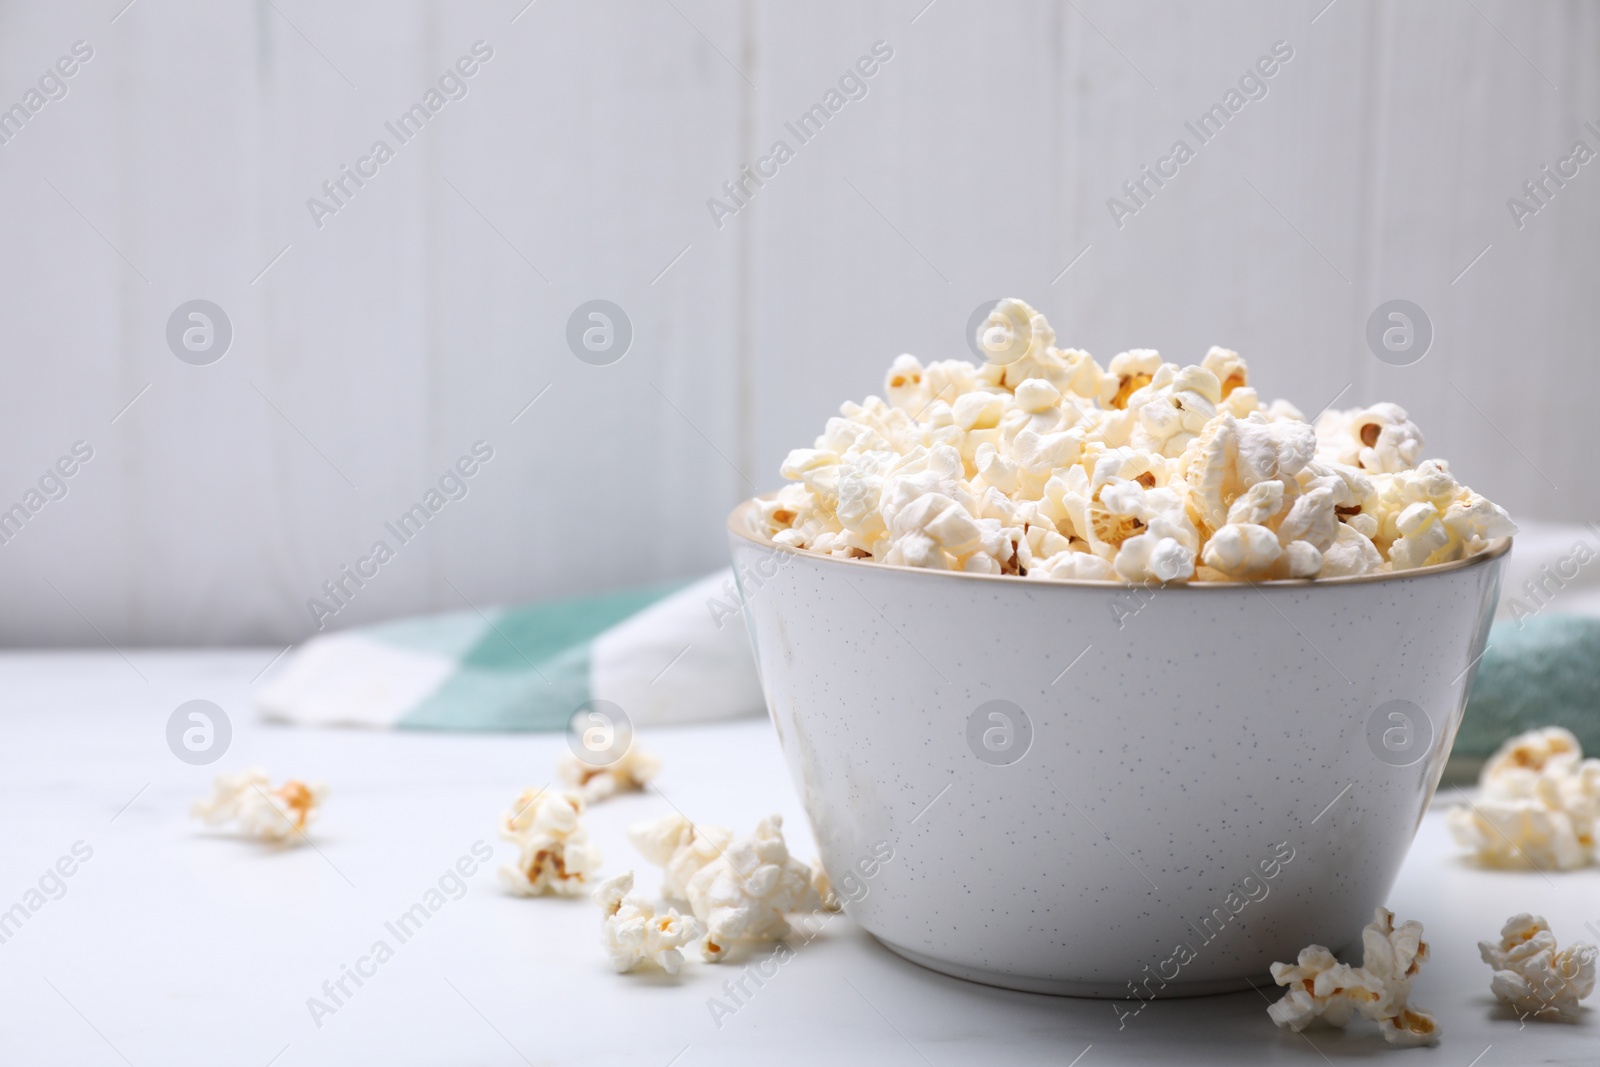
(176, 945)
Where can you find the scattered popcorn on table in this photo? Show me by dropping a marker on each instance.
(1048, 467)
(634, 933)
(1323, 988)
(1532, 976)
(745, 892)
(554, 854)
(680, 848)
(279, 815)
(1538, 805)
(594, 783)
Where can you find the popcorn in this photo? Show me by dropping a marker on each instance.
(1394, 956)
(1273, 449)
(905, 385)
(633, 933)
(627, 774)
(1242, 550)
(1012, 331)
(1532, 976)
(1380, 438)
(1037, 396)
(1016, 467)
(1174, 407)
(279, 815)
(1257, 505)
(1323, 988)
(553, 850)
(1320, 987)
(1164, 547)
(1539, 805)
(1302, 559)
(1079, 566)
(745, 891)
(1351, 554)
(680, 848)
(1311, 521)
(1132, 371)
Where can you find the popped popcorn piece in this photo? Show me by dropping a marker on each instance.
(1380, 989)
(1350, 554)
(554, 854)
(627, 774)
(1242, 550)
(279, 815)
(1132, 370)
(1538, 805)
(1532, 975)
(1012, 331)
(1174, 407)
(1394, 956)
(1380, 438)
(1037, 396)
(745, 891)
(1209, 465)
(1320, 987)
(1258, 505)
(633, 932)
(1302, 559)
(1164, 547)
(905, 386)
(1273, 449)
(1072, 564)
(680, 848)
(1013, 468)
(1229, 370)
(1348, 485)
(1312, 520)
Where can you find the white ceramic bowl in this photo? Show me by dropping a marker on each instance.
(1179, 786)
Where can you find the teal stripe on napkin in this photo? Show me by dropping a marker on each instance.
(527, 667)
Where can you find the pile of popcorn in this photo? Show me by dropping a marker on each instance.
(731, 889)
(1050, 466)
(1538, 805)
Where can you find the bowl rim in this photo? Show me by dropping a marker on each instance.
(740, 526)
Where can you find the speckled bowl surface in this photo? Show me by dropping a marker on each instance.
(1102, 790)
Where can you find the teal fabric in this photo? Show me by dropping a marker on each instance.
(521, 668)
(1543, 671)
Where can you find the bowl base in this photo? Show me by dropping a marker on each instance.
(1063, 988)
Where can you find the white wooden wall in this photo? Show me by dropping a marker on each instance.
(428, 312)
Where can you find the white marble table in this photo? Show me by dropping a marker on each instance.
(172, 945)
